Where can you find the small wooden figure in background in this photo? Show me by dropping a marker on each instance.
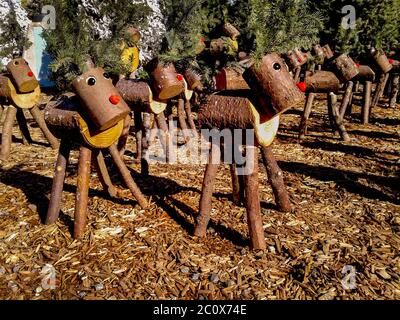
(20, 89)
(92, 119)
(274, 92)
(344, 69)
(383, 66)
(295, 59)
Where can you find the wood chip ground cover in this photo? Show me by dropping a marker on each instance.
(347, 213)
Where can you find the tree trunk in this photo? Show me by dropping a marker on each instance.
(39, 118)
(82, 192)
(306, 115)
(206, 191)
(366, 102)
(126, 176)
(275, 178)
(6, 136)
(58, 182)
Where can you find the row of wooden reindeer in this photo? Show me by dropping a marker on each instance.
(97, 116)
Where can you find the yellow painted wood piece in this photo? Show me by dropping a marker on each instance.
(130, 56)
(266, 131)
(21, 100)
(188, 92)
(157, 106)
(102, 139)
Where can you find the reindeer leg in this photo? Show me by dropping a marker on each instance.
(23, 127)
(206, 191)
(337, 123)
(6, 137)
(146, 128)
(189, 115)
(163, 126)
(137, 116)
(182, 119)
(366, 102)
(237, 186)
(58, 182)
(252, 202)
(275, 179)
(297, 75)
(306, 115)
(123, 139)
(103, 174)
(126, 176)
(39, 118)
(395, 90)
(82, 192)
(346, 99)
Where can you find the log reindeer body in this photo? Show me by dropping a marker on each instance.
(20, 88)
(93, 119)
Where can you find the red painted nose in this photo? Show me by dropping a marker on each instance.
(179, 77)
(358, 65)
(302, 86)
(30, 74)
(391, 61)
(115, 99)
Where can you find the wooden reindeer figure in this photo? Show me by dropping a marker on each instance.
(344, 70)
(273, 91)
(383, 66)
(20, 89)
(295, 60)
(93, 119)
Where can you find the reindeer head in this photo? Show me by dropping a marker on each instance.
(100, 99)
(22, 76)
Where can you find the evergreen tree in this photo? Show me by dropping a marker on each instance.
(76, 38)
(13, 38)
(281, 25)
(377, 25)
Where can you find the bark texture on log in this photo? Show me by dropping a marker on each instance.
(126, 176)
(322, 81)
(100, 99)
(230, 30)
(273, 86)
(136, 93)
(22, 76)
(193, 79)
(165, 80)
(295, 58)
(82, 192)
(252, 203)
(58, 182)
(319, 54)
(231, 79)
(203, 217)
(328, 51)
(275, 179)
(9, 93)
(6, 135)
(223, 112)
(382, 61)
(365, 74)
(345, 67)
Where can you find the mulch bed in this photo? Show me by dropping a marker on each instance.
(347, 213)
